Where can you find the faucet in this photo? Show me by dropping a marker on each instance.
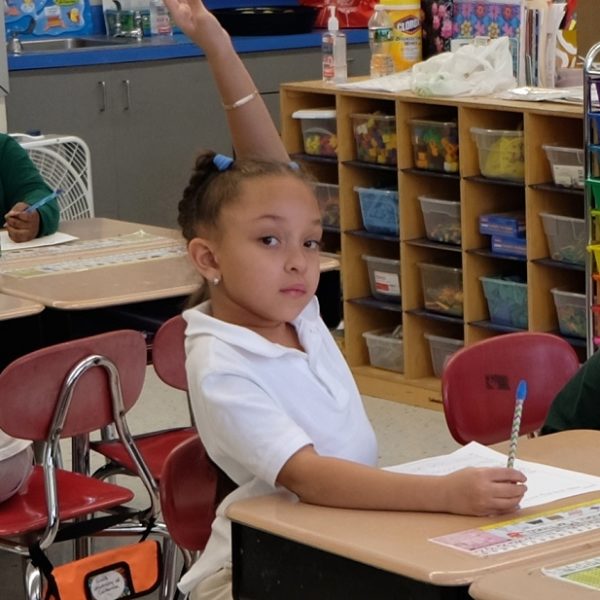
(14, 45)
(137, 32)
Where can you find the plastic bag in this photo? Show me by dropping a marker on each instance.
(470, 71)
(350, 13)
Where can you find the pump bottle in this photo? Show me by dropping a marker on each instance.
(333, 51)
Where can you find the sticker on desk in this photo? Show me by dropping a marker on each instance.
(97, 262)
(583, 572)
(522, 532)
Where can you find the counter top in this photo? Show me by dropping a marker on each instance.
(160, 48)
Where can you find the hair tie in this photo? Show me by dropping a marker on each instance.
(222, 162)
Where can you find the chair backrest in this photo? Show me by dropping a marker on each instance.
(168, 353)
(64, 163)
(188, 494)
(479, 383)
(32, 384)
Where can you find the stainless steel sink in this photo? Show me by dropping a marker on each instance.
(71, 43)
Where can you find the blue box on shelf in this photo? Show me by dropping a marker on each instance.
(510, 223)
(379, 208)
(506, 299)
(509, 245)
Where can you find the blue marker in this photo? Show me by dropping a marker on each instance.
(43, 201)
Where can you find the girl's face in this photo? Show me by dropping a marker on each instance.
(266, 253)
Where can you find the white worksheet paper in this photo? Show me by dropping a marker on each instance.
(6, 244)
(544, 483)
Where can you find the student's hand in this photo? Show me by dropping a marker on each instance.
(22, 226)
(191, 16)
(482, 492)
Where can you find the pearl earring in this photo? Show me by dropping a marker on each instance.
(216, 281)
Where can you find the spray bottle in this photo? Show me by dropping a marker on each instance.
(333, 51)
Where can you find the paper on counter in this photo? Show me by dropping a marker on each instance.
(544, 483)
(6, 244)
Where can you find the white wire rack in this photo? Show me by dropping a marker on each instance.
(64, 163)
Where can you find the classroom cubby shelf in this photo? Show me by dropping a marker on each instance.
(542, 123)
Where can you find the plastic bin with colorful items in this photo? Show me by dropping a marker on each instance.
(507, 231)
(384, 277)
(441, 349)
(567, 165)
(319, 131)
(571, 311)
(328, 195)
(442, 220)
(435, 145)
(567, 238)
(386, 349)
(375, 137)
(500, 153)
(442, 289)
(379, 209)
(506, 299)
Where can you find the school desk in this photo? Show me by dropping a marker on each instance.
(528, 582)
(12, 307)
(287, 549)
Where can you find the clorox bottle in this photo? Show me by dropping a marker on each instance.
(407, 43)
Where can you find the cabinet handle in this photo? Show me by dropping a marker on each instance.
(127, 89)
(102, 86)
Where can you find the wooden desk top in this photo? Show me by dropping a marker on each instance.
(11, 307)
(122, 282)
(398, 541)
(527, 582)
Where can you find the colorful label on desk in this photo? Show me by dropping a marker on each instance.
(515, 534)
(47, 17)
(583, 572)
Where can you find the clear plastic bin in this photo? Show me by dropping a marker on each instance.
(507, 300)
(442, 220)
(386, 349)
(442, 289)
(566, 164)
(319, 130)
(435, 145)
(384, 277)
(379, 209)
(567, 238)
(375, 138)
(571, 312)
(328, 195)
(441, 349)
(500, 153)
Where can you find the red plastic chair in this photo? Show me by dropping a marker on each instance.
(479, 383)
(68, 391)
(168, 358)
(188, 497)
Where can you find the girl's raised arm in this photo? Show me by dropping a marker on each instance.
(253, 132)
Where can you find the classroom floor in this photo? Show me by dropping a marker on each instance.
(404, 433)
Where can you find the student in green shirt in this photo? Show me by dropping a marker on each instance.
(577, 405)
(20, 186)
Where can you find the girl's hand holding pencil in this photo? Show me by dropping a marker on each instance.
(23, 220)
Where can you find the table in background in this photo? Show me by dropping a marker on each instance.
(528, 582)
(283, 548)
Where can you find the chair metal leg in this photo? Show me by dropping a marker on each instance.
(33, 582)
(168, 589)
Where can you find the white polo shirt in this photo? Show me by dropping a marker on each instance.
(256, 403)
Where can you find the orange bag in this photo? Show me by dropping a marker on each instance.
(125, 572)
(350, 13)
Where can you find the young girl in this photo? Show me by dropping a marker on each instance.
(274, 400)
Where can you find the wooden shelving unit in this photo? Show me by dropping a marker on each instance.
(542, 123)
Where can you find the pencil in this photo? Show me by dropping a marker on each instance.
(43, 201)
(520, 396)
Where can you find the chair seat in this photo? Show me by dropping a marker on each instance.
(154, 448)
(78, 495)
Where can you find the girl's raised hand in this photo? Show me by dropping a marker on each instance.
(190, 16)
(484, 491)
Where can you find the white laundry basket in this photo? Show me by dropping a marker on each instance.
(64, 163)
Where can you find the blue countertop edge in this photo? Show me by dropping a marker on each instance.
(160, 48)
